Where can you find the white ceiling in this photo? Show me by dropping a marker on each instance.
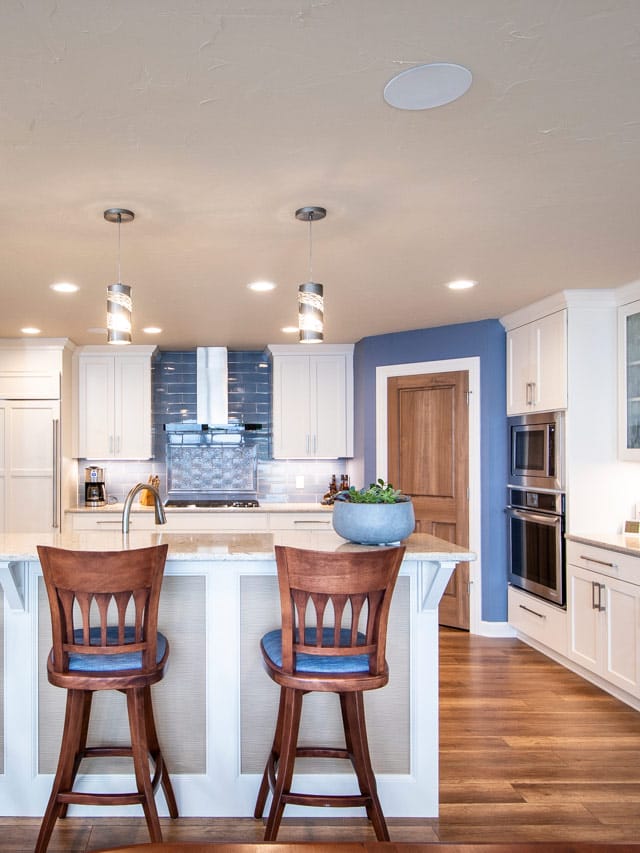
(215, 119)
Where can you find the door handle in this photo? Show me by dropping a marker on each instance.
(54, 503)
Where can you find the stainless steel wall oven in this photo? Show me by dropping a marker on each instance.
(536, 543)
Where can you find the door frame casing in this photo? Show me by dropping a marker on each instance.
(472, 366)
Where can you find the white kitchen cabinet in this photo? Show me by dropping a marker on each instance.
(312, 402)
(29, 465)
(537, 365)
(37, 474)
(114, 403)
(629, 381)
(538, 620)
(604, 614)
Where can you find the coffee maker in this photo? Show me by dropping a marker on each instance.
(95, 493)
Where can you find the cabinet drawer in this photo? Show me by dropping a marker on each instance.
(111, 521)
(201, 522)
(304, 521)
(537, 619)
(612, 564)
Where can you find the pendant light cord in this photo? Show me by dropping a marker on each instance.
(310, 248)
(119, 279)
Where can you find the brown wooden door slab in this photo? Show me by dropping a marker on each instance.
(428, 458)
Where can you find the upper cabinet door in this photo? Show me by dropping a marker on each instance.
(537, 365)
(95, 407)
(629, 381)
(291, 407)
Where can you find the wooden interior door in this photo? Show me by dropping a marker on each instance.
(428, 458)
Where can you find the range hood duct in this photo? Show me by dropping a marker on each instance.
(212, 386)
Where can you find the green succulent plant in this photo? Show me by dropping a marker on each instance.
(377, 493)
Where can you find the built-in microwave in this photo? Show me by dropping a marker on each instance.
(537, 450)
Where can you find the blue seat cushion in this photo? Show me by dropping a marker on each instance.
(81, 662)
(272, 645)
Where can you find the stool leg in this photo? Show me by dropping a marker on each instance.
(289, 734)
(272, 760)
(352, 705)
(156, 754)
(82, 745)
(140, 754)
(67, 764)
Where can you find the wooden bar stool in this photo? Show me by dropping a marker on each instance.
(104, 621)
(334, 608)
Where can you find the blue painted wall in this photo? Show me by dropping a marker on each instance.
(485, 339)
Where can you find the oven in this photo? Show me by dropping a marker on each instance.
(537, 450)
(536, 543)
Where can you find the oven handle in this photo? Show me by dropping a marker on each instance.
(526, 515)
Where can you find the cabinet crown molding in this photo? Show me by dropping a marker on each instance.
(309, 349)
(582, 298)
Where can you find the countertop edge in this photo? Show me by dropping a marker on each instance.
(622, 543)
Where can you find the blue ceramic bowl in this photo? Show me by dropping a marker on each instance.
(374, 524)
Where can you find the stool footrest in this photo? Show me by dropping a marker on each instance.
(321, 752)
(88, 798)
(337, 800)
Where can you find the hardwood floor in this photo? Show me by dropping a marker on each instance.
(528, 752)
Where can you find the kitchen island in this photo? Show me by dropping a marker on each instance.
(216, 708)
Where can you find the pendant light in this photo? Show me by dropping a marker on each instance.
(119, 303)
(310, 294)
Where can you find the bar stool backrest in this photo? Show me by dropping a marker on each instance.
(103, 602)
(336, 604)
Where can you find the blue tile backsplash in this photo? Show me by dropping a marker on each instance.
(249, 401)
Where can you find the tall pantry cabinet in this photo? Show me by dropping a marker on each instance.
(37, 472)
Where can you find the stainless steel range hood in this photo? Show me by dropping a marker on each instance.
(212, 386)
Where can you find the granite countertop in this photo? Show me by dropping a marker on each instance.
(264, 507)
(18, 547)
(623, 543)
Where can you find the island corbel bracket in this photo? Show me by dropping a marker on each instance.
(432, 578)
(13, 579)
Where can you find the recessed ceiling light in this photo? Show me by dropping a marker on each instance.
(290, 330)
(461, 284)
(30, 330)
(152, 330)
(261, 286)
(64, 287)
(424, 87)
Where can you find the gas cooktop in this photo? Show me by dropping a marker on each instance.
(212, 504)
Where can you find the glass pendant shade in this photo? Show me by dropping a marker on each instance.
(310, 313)
(119, 308)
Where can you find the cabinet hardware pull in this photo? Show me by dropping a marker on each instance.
(598, 562)
(110, 445)
(533, 393)
(322, 521)
(108, 521)
(601, 607)
(595, 605)
(529, 610)
(54, 521)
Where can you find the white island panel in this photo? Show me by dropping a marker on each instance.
(213, 582)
